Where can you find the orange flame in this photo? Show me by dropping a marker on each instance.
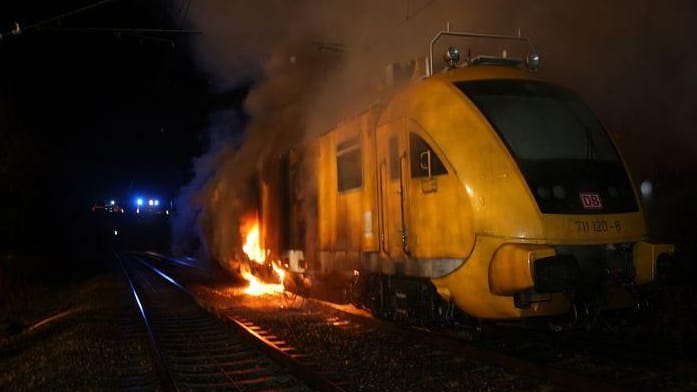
(252, 245)
(280, 272)
(252, 248)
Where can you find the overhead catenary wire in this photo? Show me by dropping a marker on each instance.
(19, 29)
(126, 30)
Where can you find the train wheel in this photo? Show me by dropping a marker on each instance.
(375, 296)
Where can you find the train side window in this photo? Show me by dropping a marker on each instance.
(394, 159)
(420, 150)
(348, 165)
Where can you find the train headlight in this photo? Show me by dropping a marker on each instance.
(559, 192)
(451, 57)
(646, 189)
(532, 61)
(543, 192)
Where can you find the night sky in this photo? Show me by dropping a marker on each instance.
(107, 111)
(89, 114)
(92, 108)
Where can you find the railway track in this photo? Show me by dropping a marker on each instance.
(562, 362)
(193, 350)
(378, 355)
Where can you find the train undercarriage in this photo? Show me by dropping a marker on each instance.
(415, 301)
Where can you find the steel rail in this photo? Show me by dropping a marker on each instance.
(276, 353)
(164, 374)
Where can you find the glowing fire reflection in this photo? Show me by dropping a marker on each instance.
(255, 252)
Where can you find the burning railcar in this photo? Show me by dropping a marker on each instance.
(483, 188)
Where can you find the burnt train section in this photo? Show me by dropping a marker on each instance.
(481, 190)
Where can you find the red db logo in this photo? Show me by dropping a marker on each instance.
(591, 200)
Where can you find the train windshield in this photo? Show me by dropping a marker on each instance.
(557, 142)
(540, 121)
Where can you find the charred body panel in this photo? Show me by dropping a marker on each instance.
(274, 204)
(288, 207)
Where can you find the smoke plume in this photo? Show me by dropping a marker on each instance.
(315, 62)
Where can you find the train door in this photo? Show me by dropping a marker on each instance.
(439, 209)
(424, 206)
(392, 179)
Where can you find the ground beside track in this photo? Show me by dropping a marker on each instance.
(82, 348)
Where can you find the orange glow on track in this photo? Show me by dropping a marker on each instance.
(257, 287)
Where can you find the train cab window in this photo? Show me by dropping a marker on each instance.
(420, 155)
(348, 165)
(394, 159)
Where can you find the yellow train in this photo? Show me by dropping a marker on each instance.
(482, 187)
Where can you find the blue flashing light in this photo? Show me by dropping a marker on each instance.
(150, 202)
(157, 202)
(112, 202)
(139, 202)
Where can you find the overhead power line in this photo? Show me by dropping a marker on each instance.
(126, 30)
(67, 14)
(19, 29)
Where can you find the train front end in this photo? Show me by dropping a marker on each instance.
(558, 227)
